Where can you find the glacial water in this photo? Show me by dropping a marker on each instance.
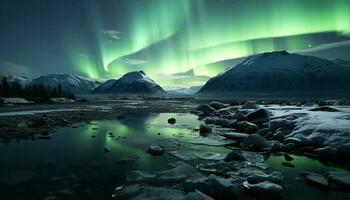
(90, 160)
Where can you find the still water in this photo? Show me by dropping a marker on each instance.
(90, 160)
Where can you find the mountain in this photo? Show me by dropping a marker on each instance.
(104, 86)
(281, 73)
(23, 80)
(72, 83)
(131, 83)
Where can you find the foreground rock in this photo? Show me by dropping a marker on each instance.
(266, 189)
(255, 142)
(246, 127)
(316, 180)
(259, 116)
(155, 150)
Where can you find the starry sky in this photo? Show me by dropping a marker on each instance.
(103, 39)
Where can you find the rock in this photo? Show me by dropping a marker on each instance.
(239, 116)
(235, 136)
(53, 197)
(212, 140)
(217, 105)
(64, 192)
(259, 176)
(274, 124)
(155, 150)
(287, 147)
(172, 121)
(38, 123)
(266, 189)
(249, 105)
(317, 180)
(206, 109)
(287, 164)
(340, 178)
(246, 127)
(255, 142)
(223, 187)
(201, 183)
(325, 108)
(126, 192)
(279, 135)
(210, 155)
(287, 157)
(293, 140)
(217, 121)
(197, 195)
(153, 193)
(204, 129)
(234, 156)
(327, 153)
(259, 116)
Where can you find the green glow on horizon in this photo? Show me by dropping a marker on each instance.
(177, 35)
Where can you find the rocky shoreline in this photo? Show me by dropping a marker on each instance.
(252, 130)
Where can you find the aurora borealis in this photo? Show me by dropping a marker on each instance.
(107, 38)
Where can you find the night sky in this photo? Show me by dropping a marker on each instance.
(103, 39)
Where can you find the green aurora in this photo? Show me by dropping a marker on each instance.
(172, 36)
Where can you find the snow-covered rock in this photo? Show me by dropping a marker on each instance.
(131, 83)
(14, 100)
(70, 83)
(281, 73)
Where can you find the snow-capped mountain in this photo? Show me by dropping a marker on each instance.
(131, 83)
(23, 80)
(281, 72)
(72, 83)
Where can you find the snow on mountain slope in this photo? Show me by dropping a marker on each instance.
(73, 83)
(131, 83)
(281, 72)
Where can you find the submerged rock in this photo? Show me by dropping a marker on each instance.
(317, 180)
(287, 164)
(172, 121)
(259, 116)
(155, 150)
(339, 178)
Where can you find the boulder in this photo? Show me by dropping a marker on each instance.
(286, 124)
(259, 116)
(172, 121)
(317, 180)
(205, 108)
(279, 135)
(340, 178)
(155, 150)
(235, 156)
(266, 188)
(217, 121)
(327, 153)
(235, 136)
(246, 127)
(259, 176)
(204, 129)
(255, 142)
(249, 105)
(217, 105)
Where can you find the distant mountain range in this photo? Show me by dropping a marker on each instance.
(70, 83)
(282, 73)
(131, 83)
